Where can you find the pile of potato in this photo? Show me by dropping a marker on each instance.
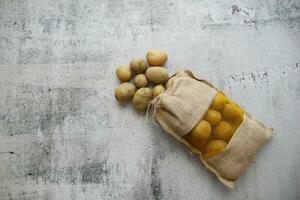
(141, 80)
(214, 131)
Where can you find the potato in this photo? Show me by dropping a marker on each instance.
(198, 144)
(123, 73)
(201, 132)
(124, 91)
(157, 75)
(230, 111)
(138, 65)
(219, 101)
(223, 131)
(213, 117)
(140, 81)
(213, 148)
(142, 98)
(156, 57)
(157, 90)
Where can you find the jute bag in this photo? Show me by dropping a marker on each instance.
(183, 105)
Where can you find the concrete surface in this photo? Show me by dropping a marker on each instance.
(63, 136)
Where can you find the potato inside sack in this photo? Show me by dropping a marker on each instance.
(213, 148)
(219, 101)
(138, 65)
(157, 75)
(124, 91)
(142, 98)
(156, 57)
(230, 111)
(123, 73)
(223, 131)
(213, 117)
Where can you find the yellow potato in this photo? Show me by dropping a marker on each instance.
(223, 131)
(230, 111)
(213, 117)
(201, 132)
(138, 65)
(142, 98)
(158, 89)
(157, 75)
(213, 148)
(198, 144)
(156, 57)
(219, 101)
(140, 81)
(124, 91)
(123, 73)
(236, 122)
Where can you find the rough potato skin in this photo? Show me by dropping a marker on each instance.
(157, 75)
(157, 90)
(156, 57)
(142, 98)
(124, 91)
(123, 73)
(138, 65)
(140, 81)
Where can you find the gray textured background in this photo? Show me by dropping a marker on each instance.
(63, 136)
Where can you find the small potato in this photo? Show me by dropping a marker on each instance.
(142, 98)
(231, 111)
(156, 57)
(124, 91)
(123, 73)
(198, 144)
(223, 131)
(213, 148)
(157, 90)
(140, 81)
(157, 75)
(138, 65)
(213, 117)
(201, 132)
(219, 101)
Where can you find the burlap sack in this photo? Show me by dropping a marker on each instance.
(182, 106)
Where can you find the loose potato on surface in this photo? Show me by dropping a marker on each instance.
(156, 57)
(157, 90)
(223, 131)
(213, 147)
(140, 81)
(142, 98)
(138, 65)
(124, 91)
(157, 75)
(123, 73)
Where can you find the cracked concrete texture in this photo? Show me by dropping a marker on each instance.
(63, 135)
